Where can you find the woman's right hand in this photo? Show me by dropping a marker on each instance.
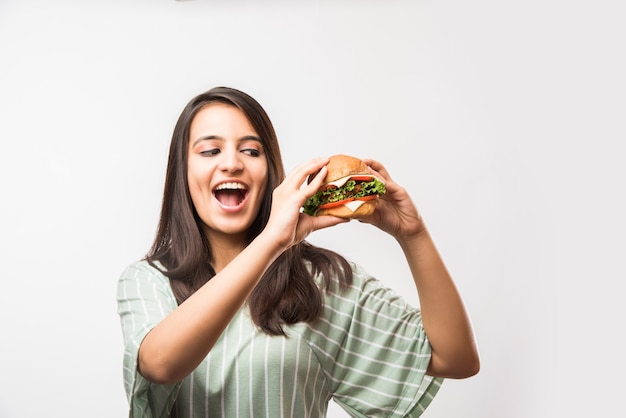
(288, 225)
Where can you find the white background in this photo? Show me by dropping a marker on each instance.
(505, 120)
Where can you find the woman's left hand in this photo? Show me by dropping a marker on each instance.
(454, 353)
(395, 212)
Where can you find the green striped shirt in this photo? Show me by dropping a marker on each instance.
(368, 352)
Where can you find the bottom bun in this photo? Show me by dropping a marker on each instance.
(366, 209)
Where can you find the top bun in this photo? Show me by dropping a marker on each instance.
(344, 165)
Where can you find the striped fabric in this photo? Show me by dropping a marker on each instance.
(368, 352)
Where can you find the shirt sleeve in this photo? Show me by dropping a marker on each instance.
(144, 298)
(375, 351)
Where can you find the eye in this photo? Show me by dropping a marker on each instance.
(210, 152)
(252, 152)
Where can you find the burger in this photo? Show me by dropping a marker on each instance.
(349, 190)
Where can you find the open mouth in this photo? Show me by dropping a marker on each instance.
(230, 194)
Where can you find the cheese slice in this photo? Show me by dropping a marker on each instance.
(353, 205)
(340, 182)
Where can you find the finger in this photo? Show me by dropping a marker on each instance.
(299, 174)
(316, 182)
(381, 172)
(321, 222)
(377, 167)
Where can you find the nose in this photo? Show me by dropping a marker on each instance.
(230, 161)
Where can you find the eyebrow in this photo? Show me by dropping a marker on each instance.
(219, 138)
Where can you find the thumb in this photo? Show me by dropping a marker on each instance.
(325, 221)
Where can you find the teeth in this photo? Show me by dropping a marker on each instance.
(230, 186)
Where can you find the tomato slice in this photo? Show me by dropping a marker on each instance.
(344, 201)
(363, 177)
(337, 203)
(370, 197)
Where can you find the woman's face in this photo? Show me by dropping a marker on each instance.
(227, 170)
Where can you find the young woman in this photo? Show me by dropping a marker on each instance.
(233, 314)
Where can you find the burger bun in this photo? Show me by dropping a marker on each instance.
(341, 165)
(366, 209)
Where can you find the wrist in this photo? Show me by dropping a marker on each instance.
(270, 243)
(413, 239)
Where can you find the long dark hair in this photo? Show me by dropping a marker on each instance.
(287, 292)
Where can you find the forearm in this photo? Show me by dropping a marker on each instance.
(174, 348)
(447, 325)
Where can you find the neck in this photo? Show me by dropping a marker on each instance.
(225, 248)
